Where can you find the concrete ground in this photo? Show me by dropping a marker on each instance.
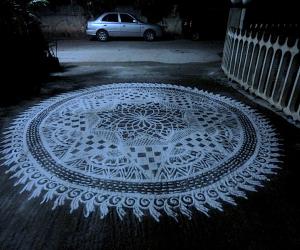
(268, 219)
(173, 51)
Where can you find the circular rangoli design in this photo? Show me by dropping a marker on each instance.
(148, 148)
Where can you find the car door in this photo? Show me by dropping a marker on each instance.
(111, 24)
(129, 26)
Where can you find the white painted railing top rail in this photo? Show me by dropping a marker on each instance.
(266, 65)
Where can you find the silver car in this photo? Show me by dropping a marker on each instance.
(115, 24)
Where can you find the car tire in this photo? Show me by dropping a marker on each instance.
(102, 35)
(149, 35)
(196, 36)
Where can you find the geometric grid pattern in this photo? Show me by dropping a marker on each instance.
(145, 148)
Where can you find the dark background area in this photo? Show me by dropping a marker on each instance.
(273, 12)
(24, 50)
(269, 219)
(25, 57)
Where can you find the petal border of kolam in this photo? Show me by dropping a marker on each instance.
(247, 177)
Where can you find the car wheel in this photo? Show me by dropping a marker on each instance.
(195, 36)
(102, 35)
(149, 35)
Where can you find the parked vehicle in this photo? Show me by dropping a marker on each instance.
(115, 24)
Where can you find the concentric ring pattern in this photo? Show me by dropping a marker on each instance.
(145, 148)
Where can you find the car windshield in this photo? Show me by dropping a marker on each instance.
(138, 20)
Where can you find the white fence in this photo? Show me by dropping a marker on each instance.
(266, 65)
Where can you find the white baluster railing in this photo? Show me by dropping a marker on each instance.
(267, 67)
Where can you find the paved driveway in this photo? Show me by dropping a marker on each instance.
(175, 51)
(267, 220)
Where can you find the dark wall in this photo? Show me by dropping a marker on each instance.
(210, 17)
(279, 12)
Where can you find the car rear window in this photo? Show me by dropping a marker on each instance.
(111, 18)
